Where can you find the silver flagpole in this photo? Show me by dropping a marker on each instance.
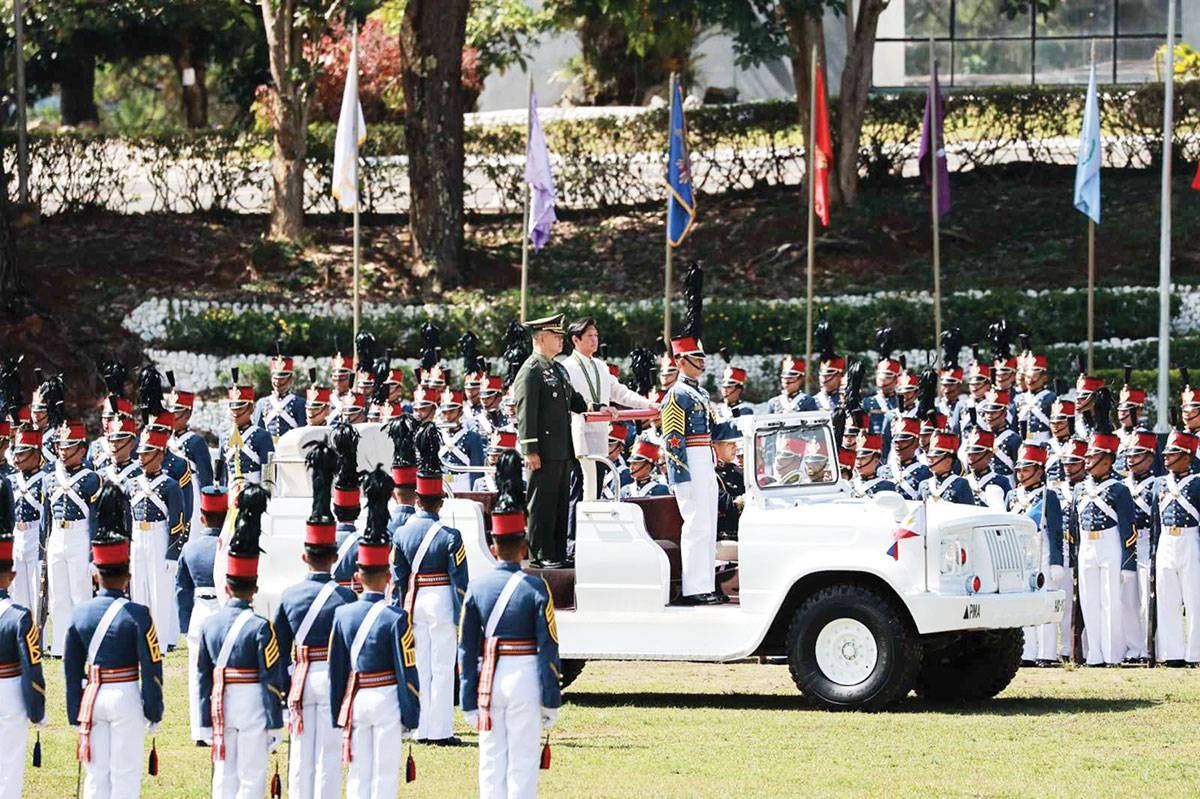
(934, 145)
(669, 255)
(1164, 247)
(357, 190)
(1091, 248)
(812, 224)
(525, 227)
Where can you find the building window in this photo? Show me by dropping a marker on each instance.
(976, 45)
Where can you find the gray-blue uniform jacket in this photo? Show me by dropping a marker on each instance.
(277, 415)
(880, 409)
(786, 404)
(181, 471)
(1008, 442)
(50, 445)
(195, 571)
(1091, 517)
(21, 655)
(463, 447)
(991, 477)
(29, 497)
(1174, 498)
(294, 605)
(908, 477)
(951, 488)
(390, 647)
(445, 555)
(528, 616)
(869, 488)
(347, 562)
(687, 420)
(400, 514)
(150, 496)
(257, 446)
(1034, 410)
(1041, 506)
(1143, 490)
(256, 648)
(195, 451)
(119, 474)
(72, 495)
(131, 642)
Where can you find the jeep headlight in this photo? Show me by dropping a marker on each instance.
(1031, 549)
(954, 555)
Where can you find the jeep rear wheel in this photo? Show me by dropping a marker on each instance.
(850, 648)
(571, 669)
(977, 666)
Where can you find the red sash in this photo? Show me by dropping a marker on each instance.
(97, 677)
(222, 677)
(304, 655)
(356, 681)
(493, 649)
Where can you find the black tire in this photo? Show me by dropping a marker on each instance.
(976, 667)
(571, 669)
(898, 649)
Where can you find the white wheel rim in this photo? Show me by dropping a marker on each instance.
(846, 651)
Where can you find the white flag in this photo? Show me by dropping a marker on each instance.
(351, 132)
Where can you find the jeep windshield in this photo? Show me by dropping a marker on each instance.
(795, 455)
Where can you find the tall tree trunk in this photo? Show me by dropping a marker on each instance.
(289, 118)
(77, 81)
(189, 52)
(856, 88)
(10, 281)
(432, 35)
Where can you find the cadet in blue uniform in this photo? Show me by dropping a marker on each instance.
(373, 679)
(731, 481)
(430, 570)
(461, 445)
(111, 644)
(120, 466)
(830, 368)
(645, 483)
(303, 623)
(404, 471)
(244, 451)
(989, 488)
(190, 446)
(867, 481)
(1129, 419)
(45, 407)
(905, 468)
(196, 590)
(346, 504)
(1139, 453)
(156, 501)
(1033, 405)
(881, 406)
(22, 687)
(72, 492)
(1177, 554)
(994, 410)
(617, 431)
(242, 679)
(281, 410)
(791, 397)
(1105, 521)
(943, 484)
(508, 653)
(152, 401)
(1034, 500)
(687, 420)
(732, 385)
(30, 503)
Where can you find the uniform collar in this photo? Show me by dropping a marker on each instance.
(211, 531)
(508, 566)
(688, 381)
(424, 514)
(111, 593)
(409, 508)
(371, 596)
(345, 527)
(318, 577)
(235, 602)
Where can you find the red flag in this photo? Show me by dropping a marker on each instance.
(823, 157)
(1196, 180)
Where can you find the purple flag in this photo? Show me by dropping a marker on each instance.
(541, 181)
(931, 131)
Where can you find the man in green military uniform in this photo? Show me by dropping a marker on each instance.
(545, 400)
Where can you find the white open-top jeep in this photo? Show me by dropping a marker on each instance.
(810, 576)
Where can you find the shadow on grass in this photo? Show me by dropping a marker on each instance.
(1001, 706)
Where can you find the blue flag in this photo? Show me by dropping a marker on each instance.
(541, 181)
(681, 207)
(1087, 171)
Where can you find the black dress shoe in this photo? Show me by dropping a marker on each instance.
(1028, 664)
(201, 744)
(536, 564)
(552, 564)
(712, 598)
(453, 740)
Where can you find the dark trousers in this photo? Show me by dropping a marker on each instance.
(549, 490)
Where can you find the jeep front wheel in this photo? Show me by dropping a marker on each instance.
(977, 666)
(849, 648)
(571, 669)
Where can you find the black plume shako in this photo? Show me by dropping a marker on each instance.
(10, 388)
(926, 393)
(883, 342)
(114, 374)
(247, 529)
(400, 430)
(468, 345)
(112, 515)
(641, 363)
(383, 370)
(517, 349)
(952, 344)
(1000, 337)
(150, 392)
(693, 298)
(377, 486)
(53, 393)
(365, 350)
(428, 444)
(853, 389)
(321, 461)
(345, 443)
(1102, 411)
(824, 336)
(431, 349)
(510, 484)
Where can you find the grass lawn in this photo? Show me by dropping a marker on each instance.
(632, 729)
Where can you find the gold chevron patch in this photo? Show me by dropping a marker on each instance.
(33, 640)
(673, 417)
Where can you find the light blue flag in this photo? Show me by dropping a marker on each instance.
(681, 205)
(1087, 171)
(540, 177)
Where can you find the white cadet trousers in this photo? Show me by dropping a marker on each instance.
(149, 584)
(243, 772)
(204, 606)
(14, 732)
(1135, 601)
(118, 744)
(1066, 624)
(437, 649)
(1100, 594)
(1178, 584)
(68, 552)
(169, 634)
(1041, 641)
(315, 755)
(509, 755)
(27, 586)
(697, 500)
(375, 741)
